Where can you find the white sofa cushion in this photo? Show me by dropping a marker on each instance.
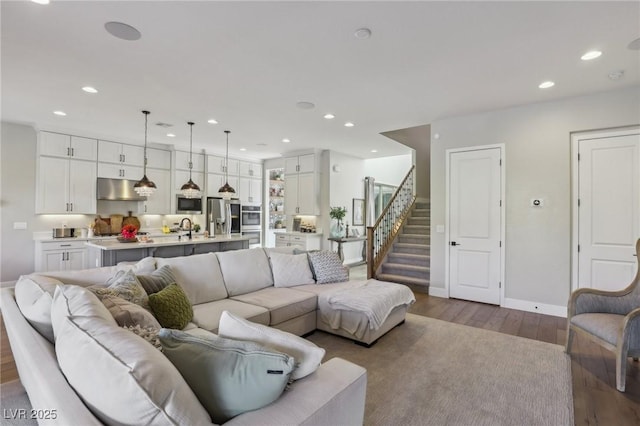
(199, 276)
(92, 350)
(245, 271)
(283, 303)
(34, 294)
(308, 356)
(207, 315)
(290, 270)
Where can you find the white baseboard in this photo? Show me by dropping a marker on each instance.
(438, 292)
(7, 284)
(539, 308)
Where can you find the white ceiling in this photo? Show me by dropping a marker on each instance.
(246, 64)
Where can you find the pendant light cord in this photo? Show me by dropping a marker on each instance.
(226, 159)
(190, 147)
(146, 116)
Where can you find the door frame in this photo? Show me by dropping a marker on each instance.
(503, 221)
(576, 137)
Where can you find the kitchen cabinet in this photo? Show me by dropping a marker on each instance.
(160, 201)
(182, 177)
(61, 256)
(65, 186)
(120, 153)
(216, 164)
(300, 164)
(303, 241)
(182, 161)
(216, 180)
(158, 158)
(300, 194)
(60, 145)
(251, 170)
(120, 171)
(250, 191)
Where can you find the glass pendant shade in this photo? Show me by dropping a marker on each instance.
(144, 187)
(191, 189)
(226, 191)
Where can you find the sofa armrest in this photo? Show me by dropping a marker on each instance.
(630, 333)
(333, 395)
(40, 375)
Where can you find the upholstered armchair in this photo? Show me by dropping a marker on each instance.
(609, 318)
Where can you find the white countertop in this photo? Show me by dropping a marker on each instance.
(164, 240)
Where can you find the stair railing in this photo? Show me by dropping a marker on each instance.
(380, 236)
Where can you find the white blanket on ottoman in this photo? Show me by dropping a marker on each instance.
(374, 299)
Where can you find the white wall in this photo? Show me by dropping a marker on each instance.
(388, 170)
(537, 140)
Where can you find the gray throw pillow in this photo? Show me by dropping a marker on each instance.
(157, 280)
(327, 267)
(124, 284)
(229, 377)
(127, 313)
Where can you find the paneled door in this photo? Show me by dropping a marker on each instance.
(608, 208)
(475, 223)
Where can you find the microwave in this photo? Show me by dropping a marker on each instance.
(186, 205)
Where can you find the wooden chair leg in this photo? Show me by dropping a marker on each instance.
(569, 342)
(621, 367)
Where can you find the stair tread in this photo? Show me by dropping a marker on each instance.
(394, 278)
(409, 255)
(411, 245)
(406, 266)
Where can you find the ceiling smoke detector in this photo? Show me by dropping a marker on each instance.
(362, 33)
(164, 125)
(305, 105)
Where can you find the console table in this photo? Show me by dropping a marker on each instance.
(342, 240)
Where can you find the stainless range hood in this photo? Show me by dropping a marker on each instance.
(117, 190)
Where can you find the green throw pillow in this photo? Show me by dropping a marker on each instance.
(229, 377)
(171, 307)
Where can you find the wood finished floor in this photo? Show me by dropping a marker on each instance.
(595, 398)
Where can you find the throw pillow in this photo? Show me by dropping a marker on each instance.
(122, 379)
(159, 279)
(124, 284)
(142, 266)
(171, 307)
(150, 334)
(229, 377)
(290, 270)
(128, 314)
(327, 267)
(308, 356)
(34, 295)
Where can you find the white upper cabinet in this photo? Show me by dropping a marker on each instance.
(59, 145)
(248, 169)
(65, 186)
(250, 191)
(120, 153)
(182, 161)
(217, 180)
(182, 177)
(216, 164)
(301, 185)
(158, 158)
(160, 201)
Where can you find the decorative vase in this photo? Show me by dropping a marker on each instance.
(337, 230)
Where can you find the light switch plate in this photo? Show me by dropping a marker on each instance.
(19, 225)
(440, 228)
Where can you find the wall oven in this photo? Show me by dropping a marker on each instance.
(251, 218)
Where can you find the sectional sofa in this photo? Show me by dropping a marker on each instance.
(260, 285)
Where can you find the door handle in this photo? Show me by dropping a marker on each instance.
(453, 243)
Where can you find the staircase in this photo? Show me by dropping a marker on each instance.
(409, 260)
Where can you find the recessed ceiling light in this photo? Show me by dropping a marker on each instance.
(634, 45)
(171, 135)
(329, 116)
(212, 121)
(591, 55)
(305, 105)
(374, 150)
(362, 33)
(243, 149)
(41, 1)
(90, 89)
(546, 84)
(285, 140)
(122, 31)
(349, 124)
(60, 113)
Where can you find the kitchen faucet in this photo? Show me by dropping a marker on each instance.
(190, 225)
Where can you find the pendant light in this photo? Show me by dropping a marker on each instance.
(144, 187)
(226, 191)
(190, 189)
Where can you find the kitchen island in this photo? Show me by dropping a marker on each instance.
(111, 252)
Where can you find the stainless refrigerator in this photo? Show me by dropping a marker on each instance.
(223, 216)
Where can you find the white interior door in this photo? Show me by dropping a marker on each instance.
(609, 210)
(475, 215)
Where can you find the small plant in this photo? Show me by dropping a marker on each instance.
(196, 228)
(338, 213)
(129, 231)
